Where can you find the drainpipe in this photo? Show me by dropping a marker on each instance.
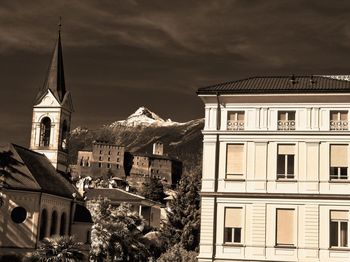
(217, 157)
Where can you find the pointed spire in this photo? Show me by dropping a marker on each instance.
(55, 75)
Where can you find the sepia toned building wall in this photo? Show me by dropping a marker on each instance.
(275, 188)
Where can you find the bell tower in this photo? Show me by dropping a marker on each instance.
(52, 113)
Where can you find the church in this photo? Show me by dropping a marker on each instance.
(37, 199)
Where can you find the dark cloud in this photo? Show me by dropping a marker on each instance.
(123, 54)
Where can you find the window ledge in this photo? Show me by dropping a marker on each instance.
(286, 180)
(339, 249)
(234, 180)
(281, 246)
(336, 181)
(233, 245)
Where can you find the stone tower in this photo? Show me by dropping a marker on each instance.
(52, 114)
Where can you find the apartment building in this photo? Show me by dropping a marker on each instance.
(275, 184)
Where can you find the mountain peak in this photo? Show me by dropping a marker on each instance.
(144, 117)
(144, 112)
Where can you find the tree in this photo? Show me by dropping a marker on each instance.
(152, 188)
(183, 225)
(178, 254)
(58, 249)
(117, 233)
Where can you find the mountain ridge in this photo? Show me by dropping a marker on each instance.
(181, 140)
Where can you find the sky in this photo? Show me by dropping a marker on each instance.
(123, 54)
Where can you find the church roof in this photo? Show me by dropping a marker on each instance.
(27, 170)
(280, 85)
(55, 75)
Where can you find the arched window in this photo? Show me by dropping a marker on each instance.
(45, 130)
(64, 135)
(53, 229)
(43, 223)
(63, 224)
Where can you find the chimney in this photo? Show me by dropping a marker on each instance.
(158, 148)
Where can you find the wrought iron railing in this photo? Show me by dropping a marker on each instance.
(235, 125)
(339, 124)
(286, 125)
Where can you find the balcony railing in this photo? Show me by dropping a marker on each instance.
(235, 125)
(339, 124)
(286, 125)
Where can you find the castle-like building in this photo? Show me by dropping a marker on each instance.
(37, 199)
(113, 161)
(275, 184)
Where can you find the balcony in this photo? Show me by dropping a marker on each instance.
(235, 125)
(339, 124)
(286, 125)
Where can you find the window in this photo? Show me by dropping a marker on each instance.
(235, 120)
(43, 223)
(234, 163)
(100, 158)
(53, 228)
(284, 227)
(64, 135)
(18, 215)
(45, 130)
(286, 120)
(99, 164)
(339, 120)
(108, 165)
(339, 162)
(109, 152)
(63, 224)
(285, 162)
(338, 228)
(117, 166)
(117, 159)
(233, 225)
(109, 159)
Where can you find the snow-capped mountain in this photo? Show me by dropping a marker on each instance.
(144, 117)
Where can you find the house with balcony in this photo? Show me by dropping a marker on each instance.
(275, 183)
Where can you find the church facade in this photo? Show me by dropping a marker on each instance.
(275, 184)
(37, 198)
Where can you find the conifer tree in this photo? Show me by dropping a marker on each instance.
(152, 188)
(183, 225)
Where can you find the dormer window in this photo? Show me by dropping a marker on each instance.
(286, 120)
(339, 120)
(235, 120)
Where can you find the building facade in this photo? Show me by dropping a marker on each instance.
(110, 160)
(104, 159)
(275, 184)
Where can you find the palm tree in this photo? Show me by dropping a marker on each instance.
(7, 168)
(58, 249)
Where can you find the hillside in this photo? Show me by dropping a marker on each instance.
(140, 130)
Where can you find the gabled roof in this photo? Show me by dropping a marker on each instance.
(55, 75)
(117, 195)
(280, 85)
(28, 170)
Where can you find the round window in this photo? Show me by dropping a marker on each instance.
(18, 214)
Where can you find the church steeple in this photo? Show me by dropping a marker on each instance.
(55, 75)
(52, 113)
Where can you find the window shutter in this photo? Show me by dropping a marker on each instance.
(285, 226)
(233, 217)
(286, 149)
(339, 155)
(234, 159)
(339, 215)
